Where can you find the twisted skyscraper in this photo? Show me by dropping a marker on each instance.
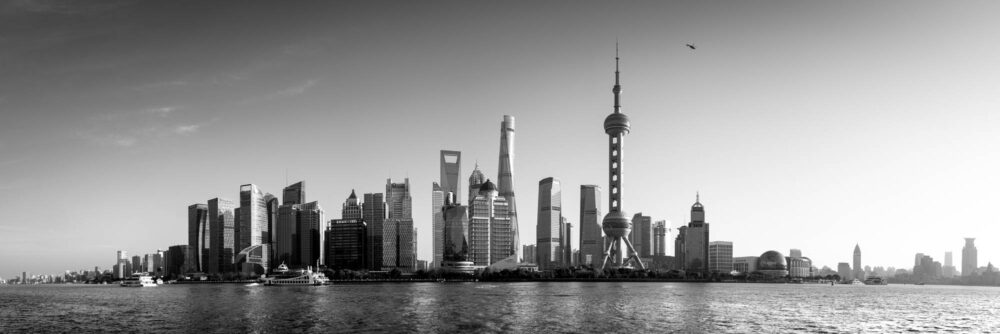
(505, 181)
(617, 224)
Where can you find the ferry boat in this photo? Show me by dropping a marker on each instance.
(138, 281)
(295, 277)
(875, 281)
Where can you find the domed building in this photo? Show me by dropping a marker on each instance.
(772, 265)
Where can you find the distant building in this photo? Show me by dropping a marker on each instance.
(799, 266)
(491, 236)
(745, 264)
(136, 264)
(949, 269)
(346, 242)
(641, 235)
(530, 253)
(969, 257)
(351, 208)
(844, 271)
(222, 229)
(121, 264)
(591, 234)
(858, 272)
(549, 219)
(566, 244)
(456, 237)
(696, 240)
(720, 257)
(476, 180)
(374, 214)
(660, 238)
(680, 248)
(198, 234)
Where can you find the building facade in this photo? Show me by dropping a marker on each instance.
(720, 257)
(642, 235)
(374, 215)
(549, 219)
(745, 264)
(252, 225)
(437, 225)
(859, 273)
(309, 234)
(660, 230)
(451, 169)
(397, 231)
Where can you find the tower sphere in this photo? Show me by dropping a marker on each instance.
(616, 224)
(617, 123)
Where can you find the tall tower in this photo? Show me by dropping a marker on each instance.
(859, 273)
(617, 224)
(696, 239)
(549, 217)
(505, 181)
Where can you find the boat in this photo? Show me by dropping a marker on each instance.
(875, 281)
(138, 281)
(284, 276)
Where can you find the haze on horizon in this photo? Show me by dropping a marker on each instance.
(802, 125)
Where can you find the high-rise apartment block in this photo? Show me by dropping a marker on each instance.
(660, 238)
(642, 235)
(591, 236)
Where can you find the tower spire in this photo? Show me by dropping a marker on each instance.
(618, 87)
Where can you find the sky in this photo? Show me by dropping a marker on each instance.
(808, 125)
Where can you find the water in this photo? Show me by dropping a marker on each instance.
(532, 307)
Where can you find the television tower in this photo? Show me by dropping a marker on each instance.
(617, 224)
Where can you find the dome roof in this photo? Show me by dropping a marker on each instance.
(771, 260)
(487, 186)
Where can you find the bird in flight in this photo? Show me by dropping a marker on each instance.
(691, 46)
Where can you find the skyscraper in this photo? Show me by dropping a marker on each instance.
(286, 241)
(397, 230)
(476, 181)
(346, 244)
(660, 238)
(591, 237)
(437, 225)
(549, 218)
(294, 194)
(859, 273)
(121, 259)
(642, 235)
(451, 168)
(456, 232)
(374, 214)
(566, 242)
(222, 225)
(970, 262)
(505, 177)
(309, 231)
(490, 233)
(680, 248)
(351, 208)
(616, 224)
(696, 240)
(252, 224)
(720, 256)
(198, 234)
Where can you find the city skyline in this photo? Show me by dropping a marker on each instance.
(816, 132)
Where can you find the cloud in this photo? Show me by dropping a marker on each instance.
(296, 90)
(187, 129)
(161, 111)
(110, 139)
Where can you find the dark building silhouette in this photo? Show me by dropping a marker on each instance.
(346, 244)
